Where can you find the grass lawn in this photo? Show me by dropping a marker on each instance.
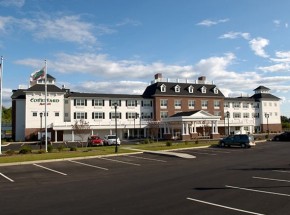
(98, 151)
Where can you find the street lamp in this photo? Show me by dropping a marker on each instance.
(267, 117)
(116, 130)
(41, 114)
(135, 117)
(228, 116)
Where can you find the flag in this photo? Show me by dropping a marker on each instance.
(40, 74)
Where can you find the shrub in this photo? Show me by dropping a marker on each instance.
(25, 150)
(168, 143)
(186, 142)
(60, 148)
(196, 142)
(49, 148)
(41, 151)
(72, 148)
(10, 152)
(146, 141)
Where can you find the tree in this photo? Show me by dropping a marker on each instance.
(81, 129)
(285, 122)
(153, 127)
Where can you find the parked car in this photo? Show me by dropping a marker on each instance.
(242, 140)
(95, 140)
(282, 137)
(111, 140)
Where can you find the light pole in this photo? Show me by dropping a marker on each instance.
(267, 117)
(135, 117)
(40, 145)
(228, 116)
(116, 129)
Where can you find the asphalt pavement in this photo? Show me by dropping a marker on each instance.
(218, 181)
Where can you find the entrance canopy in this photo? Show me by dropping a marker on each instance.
(190, 116)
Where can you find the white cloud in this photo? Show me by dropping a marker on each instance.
(12, 3)
(258, 45)
(128, 21)
(235, 35)
(208, 22)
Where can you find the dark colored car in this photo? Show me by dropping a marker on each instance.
(282, 137)
(242, 140)
(95, 141)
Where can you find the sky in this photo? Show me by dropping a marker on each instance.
(117, 46)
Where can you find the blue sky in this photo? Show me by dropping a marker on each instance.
(116, 46)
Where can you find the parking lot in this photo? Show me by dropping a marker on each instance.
(217, 181)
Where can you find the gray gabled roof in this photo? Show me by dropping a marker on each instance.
(41, 88)
(154, 90)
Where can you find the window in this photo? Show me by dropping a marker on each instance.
(246, 115)
(215, 90)
(66, 101)
(132, 115)
(204, 104)
(255, 115)
(256, 105)
(56, 114)
(147, 103)
(163, 114)
(131, 103)
(275, 104)
(216, 104)
(34, 113)
(190, 89)
(226, 104)
(217, 113)
(177, 89)
(237, 104)
(163, 103)
(191, 104)
(80, 115)
(177, 104)
(203, 89)
(98, 115)
(245, 105)
(80, 102)
(115, 101)
(246, 128)
(118, 115)
(98, 102)
(265, 104)
(146, 115)
(163, 88)
(236, 115)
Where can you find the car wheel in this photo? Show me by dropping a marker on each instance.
(243, 145)
(277, 138)
(222, 144)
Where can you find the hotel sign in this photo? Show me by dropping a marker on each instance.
(42, 101)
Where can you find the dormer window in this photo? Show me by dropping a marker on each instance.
(177, 89)
(215, 90)
(190, 89)
(163, 88)
(203, 89)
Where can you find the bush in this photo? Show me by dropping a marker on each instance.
(60, 148)
(25, 150)
(186, 143)
(41, 151)
(168, 143)
(196, 142)
(72, 148)
(10, 152)
(49, 148)
(146, 141)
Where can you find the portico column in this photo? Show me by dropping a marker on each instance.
(216, 127)
(72, 136)
(128, 133)
(183, 129)
(194, 127)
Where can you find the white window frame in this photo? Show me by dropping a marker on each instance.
(98, 102)
(190, 89)
(204, 104)
(163, 114)
(80, 102)
(191, 104)
(177, 104)
(98, 115)
(163, 88)
(163, 103)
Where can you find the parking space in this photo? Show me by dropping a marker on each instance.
(219, 181)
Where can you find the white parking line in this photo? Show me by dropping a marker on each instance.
(258, 191)
(52, 170)
(135, 164)
(9, 179)
(85, 164)
(150, 159)
(284, 171)
(215, 150)
(204, 153)
(222, 206)
(272, 179)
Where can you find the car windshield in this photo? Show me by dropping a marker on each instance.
(112, 137)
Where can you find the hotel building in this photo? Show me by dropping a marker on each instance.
(178, 109)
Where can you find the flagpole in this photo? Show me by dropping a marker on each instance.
(1, 74)
(45, 108)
